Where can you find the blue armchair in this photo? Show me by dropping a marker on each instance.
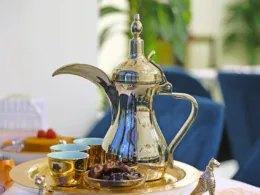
(241, 95)
(183, 82)
(249, 172)
(201, 142)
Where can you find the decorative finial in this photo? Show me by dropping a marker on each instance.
(207, 180)
(43, 188)
(62, 141)
(136, 27)
(137, 17)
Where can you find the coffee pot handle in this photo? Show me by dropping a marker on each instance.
(185, 127)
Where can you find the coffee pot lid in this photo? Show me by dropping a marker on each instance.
(137, 69)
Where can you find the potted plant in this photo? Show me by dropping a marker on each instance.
(243, 23)
(165, 27)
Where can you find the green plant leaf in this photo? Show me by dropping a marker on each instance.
(107, 31)
(162, 20)
(110, 10)
(181, 12)
(242, 20)
(179, 51)
(128, 34)
(103, 36)
(165, 19)
(230, 39)
(151, 29)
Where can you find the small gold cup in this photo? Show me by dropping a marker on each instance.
(67, 167)
(69, 147)
(96, 153)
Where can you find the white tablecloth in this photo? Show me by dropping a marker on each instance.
(235, 187)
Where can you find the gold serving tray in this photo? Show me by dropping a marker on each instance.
(180, 176)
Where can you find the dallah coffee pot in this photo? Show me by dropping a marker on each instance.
(134, 136)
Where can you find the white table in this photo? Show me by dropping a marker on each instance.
(222, 185)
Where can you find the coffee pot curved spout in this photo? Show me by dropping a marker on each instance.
(96, 76)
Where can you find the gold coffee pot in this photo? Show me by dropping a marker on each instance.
(134, 136)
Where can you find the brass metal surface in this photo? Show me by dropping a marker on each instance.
(134, 136)
(67, 168)
(39, 180)
(95, 151)
(96, 154)
(184, 129)
(181, 175)
(137, 69)
(67, 172)
(207, 180)
(96, 76)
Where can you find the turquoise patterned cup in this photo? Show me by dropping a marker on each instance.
(69, 147)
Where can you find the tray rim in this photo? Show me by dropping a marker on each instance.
(191, 176)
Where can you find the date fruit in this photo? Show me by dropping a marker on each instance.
(96, 171)
(113, 172)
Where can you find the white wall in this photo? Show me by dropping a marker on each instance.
(205, 22)
(115, 48)
(37, 37)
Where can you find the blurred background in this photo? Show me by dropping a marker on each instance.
(202, 37)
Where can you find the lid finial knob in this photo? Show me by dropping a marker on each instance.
(137, 26)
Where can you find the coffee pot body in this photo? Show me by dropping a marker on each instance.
(134, 136)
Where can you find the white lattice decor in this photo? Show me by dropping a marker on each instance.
(21, 117)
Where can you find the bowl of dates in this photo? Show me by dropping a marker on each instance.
(114, 175)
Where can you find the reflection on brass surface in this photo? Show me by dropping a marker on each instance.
(154, 172)
(62, 141)
(96, 155)
(134, 136)
(180, 176)
(207, 180)
(43, 188)
(66, 172)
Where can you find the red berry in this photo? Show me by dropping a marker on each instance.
(41, 133)
(51, 134)
(50, 129)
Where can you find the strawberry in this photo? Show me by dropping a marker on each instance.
(41, 133)
(51, 134)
